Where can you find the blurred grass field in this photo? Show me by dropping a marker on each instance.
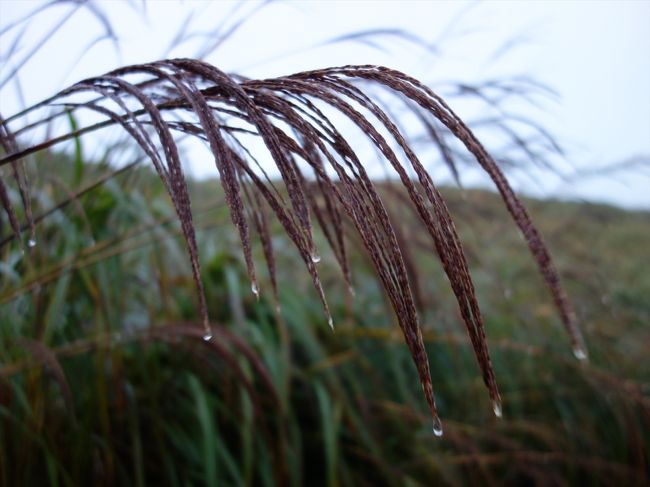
(105, 378)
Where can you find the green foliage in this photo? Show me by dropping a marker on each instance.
(278, 399)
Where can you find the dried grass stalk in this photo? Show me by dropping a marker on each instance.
(322, 174)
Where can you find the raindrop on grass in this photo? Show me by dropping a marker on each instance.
(31, 243)
(315, 258)
(437, 426)
(579, 352)
(352, 292)
(330, 322)
(496, 407)
(255, 289)
(208, 336)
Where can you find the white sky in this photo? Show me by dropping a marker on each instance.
(594, 54)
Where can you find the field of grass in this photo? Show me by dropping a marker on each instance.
(278, 330)
(105, 378)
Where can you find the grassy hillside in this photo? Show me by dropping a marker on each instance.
(105, 377)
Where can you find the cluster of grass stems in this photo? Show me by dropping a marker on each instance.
(133, 350)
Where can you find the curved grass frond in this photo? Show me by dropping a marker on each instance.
(297, 118)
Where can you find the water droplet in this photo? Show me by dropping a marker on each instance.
(278, 308)
(579, 352)
(255, 289)
(496, 407)
(208, 336)
(330, 322)
(437, 426)
(31, 243)
(352, 292)
(315, 258)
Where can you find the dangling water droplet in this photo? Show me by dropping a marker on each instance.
(31, 243)
(496, 407)
(579, 352)
(255, 289)
(278, 308)
(352, 292)
(330, 322)
(315, 258)
(208, 336)
(437, 426)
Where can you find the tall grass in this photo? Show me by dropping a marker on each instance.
(272, 399)
(224, 106)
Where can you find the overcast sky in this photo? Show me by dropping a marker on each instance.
(595, 55)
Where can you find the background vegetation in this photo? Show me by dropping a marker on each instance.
(105, 376)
